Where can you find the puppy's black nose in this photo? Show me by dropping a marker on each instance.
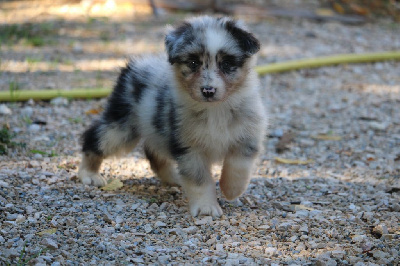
(208, 91)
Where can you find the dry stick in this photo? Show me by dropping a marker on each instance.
(23, 95)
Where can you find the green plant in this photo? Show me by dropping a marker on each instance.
(22, 261)
(14, 86)
(33, 34)
(50, 154)
(5, 141)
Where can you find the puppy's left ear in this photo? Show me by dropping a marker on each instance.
(176, 39)
(246, 40)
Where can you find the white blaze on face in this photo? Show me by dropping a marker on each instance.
(216, 39)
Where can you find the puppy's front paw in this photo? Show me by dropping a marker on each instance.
(90, 178)
(232, 191)
(206, 208)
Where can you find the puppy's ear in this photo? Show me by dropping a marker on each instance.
(176, 39)
(247, 42)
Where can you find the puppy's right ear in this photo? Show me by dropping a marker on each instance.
(176, 40)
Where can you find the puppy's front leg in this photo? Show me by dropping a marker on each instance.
(198, 185)
(236, 171)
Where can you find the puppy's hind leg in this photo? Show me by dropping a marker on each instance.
(162, 167)
(92, 157)
(101, 140)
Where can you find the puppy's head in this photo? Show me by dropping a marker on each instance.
(211, 57)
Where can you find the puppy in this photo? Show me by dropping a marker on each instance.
(199, 106)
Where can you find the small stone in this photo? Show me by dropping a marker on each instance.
(396, 207)
(270, 251)
(76, 197)
(148, 228)
(284, 226)
(136, 260)
(190, 230)
(37, 156)
(378, 126)
(219, 247)
(20, 218)
(34, 128)
(264, 227)
(328, 262)
(378, 254)
(164, 259)
(175, 231)
(380, 230)
(204, 220)
(293, 238)
(160, 224)
(3, 184)
(304, 229)
(388, 236)
(358, 238)
(59, 101)
(120, 237)
(107, 217)
(302, 213)
(338, 254)
(4, 110)
(50, 243)
(353, 259)
(27, 111)
(135, 206)
(119, 219)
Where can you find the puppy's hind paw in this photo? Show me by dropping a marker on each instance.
(211, 208)
(90, 178)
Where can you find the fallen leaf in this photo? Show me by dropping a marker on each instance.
(359, 9)
(284, 141)
(327, 137)
(324, 12)
(338, 8)
(115, 184)
(48, 231)
(94, 111)
(290, 161)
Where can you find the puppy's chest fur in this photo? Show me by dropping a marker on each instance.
(213, 130)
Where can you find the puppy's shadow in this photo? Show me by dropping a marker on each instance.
(151, 190)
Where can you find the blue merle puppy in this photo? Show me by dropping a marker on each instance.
(199, 106)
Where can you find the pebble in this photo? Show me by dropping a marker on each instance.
(59, 101)
(27, 111)
(378, 126)
(49, 243)
(160, 224)
(204, 220)
(4, 110)
(270, 251)
(190, 229)
(34, 127)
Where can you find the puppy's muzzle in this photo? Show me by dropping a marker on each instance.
(208, 91)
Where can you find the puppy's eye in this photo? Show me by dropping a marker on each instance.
(226, 66)
(193, 64)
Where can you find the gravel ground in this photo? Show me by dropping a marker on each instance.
(326, 191)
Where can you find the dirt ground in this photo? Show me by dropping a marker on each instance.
(326, 190)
